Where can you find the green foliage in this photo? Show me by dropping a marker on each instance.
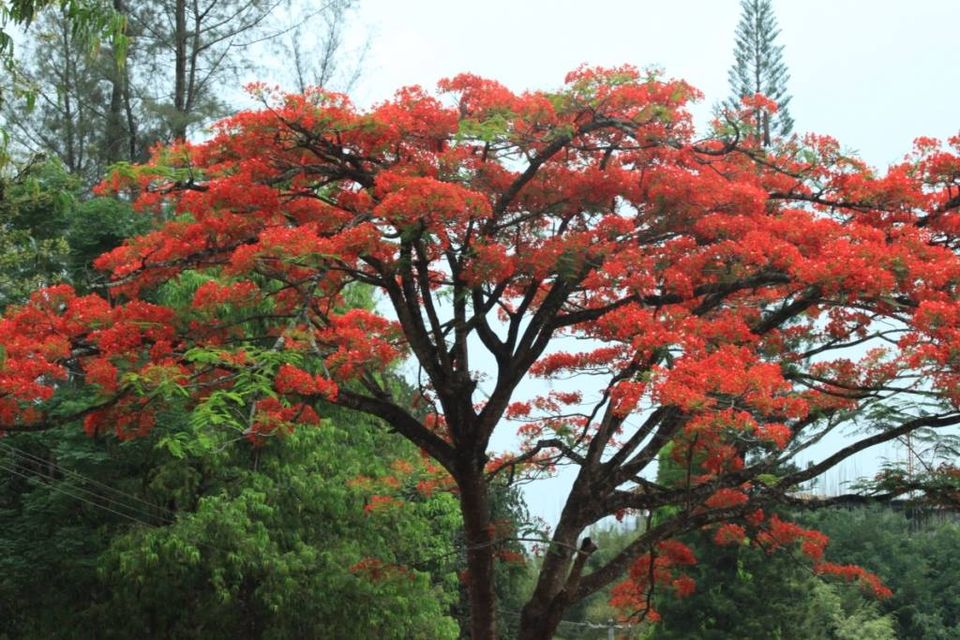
(49, 233)
(255, 542)
(746, 593)
(918, 556)
(492, 128)
(270, 554)
(513, 577)
(34, 207)
(55, 521)
(90, 19)
(94, 226)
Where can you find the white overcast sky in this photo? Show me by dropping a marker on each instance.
(874, 74)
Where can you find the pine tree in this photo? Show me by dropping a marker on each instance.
(759, 68)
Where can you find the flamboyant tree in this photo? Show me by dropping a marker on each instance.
(733, 304)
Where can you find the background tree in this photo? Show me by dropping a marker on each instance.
(50, 231)
(196, 532)
(177, 70)
(203, 43)
(317, 51)
(76, 116)
(215, 540)
(915, 549)
(759, 68)
(91, 21)
(744, 592)
(722, 294)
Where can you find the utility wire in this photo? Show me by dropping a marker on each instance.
(56, 487)
(86, 479)
(53, 480)
(54, 484)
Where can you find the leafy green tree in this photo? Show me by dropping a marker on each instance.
(177, 64)
(919, 557)
(746, 592)
(213, 540)
(287, 550)
(33, 208)
(50, 232)
(759, 68)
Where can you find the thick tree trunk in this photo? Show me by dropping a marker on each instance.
(539, 622)
(543, 612)
(562, 567)
(475, 507)
(539, 628)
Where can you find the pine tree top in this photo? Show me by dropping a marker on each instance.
(759, 67)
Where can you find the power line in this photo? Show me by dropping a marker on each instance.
(52, 483)
(89, 480)
(53, 480)
(57, 487)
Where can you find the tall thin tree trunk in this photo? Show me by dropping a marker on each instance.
(179, 128)
(133, 131)
(116, 132)
(67, 88)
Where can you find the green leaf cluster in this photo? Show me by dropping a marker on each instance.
(50, 233)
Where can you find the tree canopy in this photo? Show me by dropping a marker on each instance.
(734, 302)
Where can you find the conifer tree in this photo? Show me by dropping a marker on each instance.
(759, 68)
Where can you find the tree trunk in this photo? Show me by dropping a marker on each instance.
(179, 128)
(69, 129)
(475, 507)
(116, 134)
(562, 567)
(539, 628)
(543, 612)
(539, 622)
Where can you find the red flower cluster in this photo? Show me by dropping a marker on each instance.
(659, 568)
